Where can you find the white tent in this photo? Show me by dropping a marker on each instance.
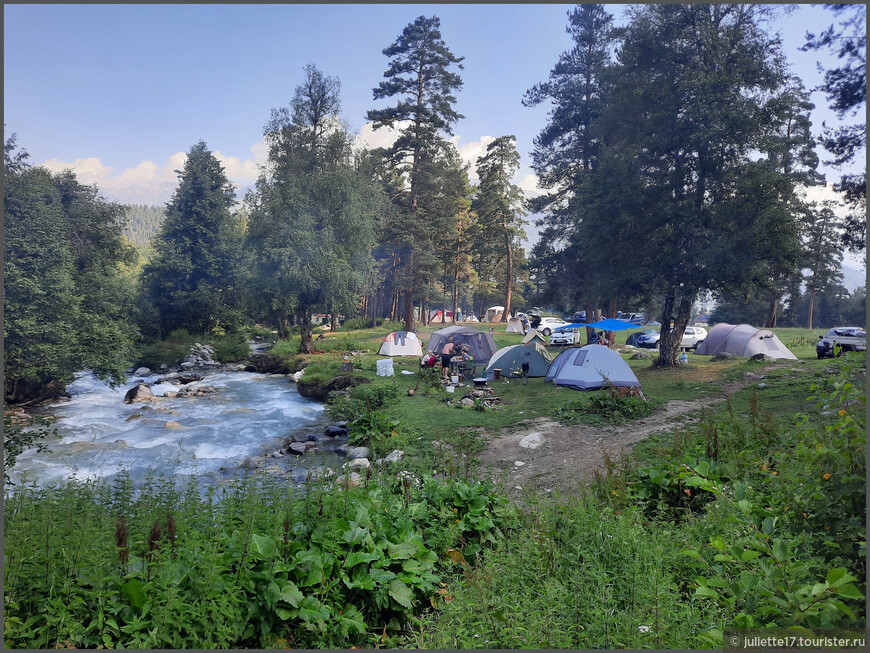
(401, 343)
(495, 314)
(590, 368)
(743, 340)
(535, 337)
(514, 325)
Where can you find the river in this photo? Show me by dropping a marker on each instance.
(248, 416)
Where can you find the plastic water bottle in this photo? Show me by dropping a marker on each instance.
(684, 360)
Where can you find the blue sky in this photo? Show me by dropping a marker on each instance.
(120, 92)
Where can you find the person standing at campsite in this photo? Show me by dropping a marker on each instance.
(446, 355)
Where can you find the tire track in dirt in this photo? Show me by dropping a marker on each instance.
(569, 455)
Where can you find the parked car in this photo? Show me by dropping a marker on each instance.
(579, 316)
(634, 318)
(565, 337)
(844, 339)
(632, 339)
(692, 337)
(548, 324)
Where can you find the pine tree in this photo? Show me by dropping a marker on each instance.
(420, 76)
(846, 89)
(823, 257)
(498, 205)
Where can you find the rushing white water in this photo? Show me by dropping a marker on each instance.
(249, 415)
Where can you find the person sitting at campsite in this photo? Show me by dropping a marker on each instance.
(425, 361)
(467, 364)
(446, 355)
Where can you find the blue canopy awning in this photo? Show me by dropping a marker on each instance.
(609, 324)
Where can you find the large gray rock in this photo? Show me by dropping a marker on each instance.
(724, 355)
(357, 463)
(140, 392)
(394, 456)
(297, 448)
(142, 371)
(334, 430)
(532, 441)
(762, 357)
(358, 452)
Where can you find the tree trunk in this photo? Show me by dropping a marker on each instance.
(812, 301)
(509, 275)
(667, 357)
(333, 324)
(409, 294)
(771, 314)
(669, 343)
(394, 306)
(305, 345)
(589, 318)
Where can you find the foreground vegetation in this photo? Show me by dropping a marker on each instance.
(752, 517)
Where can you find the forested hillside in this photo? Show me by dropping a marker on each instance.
(141, 222)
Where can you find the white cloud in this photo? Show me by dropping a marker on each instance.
(150, 183)
(369, 138)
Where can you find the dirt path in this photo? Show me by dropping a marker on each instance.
(568, 455)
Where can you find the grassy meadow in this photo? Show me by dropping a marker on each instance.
(753, 517)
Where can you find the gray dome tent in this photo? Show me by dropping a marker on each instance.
(590, 368)
(511, 359)
(480, 344)
(743, 340)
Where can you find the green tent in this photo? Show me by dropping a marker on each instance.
(511, 359)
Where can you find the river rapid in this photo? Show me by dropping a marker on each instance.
(249, 416)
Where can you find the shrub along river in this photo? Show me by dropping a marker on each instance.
(213, 437)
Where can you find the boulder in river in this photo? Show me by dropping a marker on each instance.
(139, 392)
(333, 430)
(269, 364)
(142, 371)
(315, 389)
(297, 448)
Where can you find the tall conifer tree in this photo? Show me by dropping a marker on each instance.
(420, 76)
(192, 280)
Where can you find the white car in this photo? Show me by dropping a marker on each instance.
(549, 324)
(692, 337)
(564, 337)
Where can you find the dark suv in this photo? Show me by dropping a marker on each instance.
(579, 316)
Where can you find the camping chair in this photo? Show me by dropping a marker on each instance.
(466, 369)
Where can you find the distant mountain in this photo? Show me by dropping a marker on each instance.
(853, 277)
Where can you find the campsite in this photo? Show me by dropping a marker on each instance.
(450, 327)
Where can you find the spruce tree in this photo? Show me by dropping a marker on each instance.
(192, 280)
